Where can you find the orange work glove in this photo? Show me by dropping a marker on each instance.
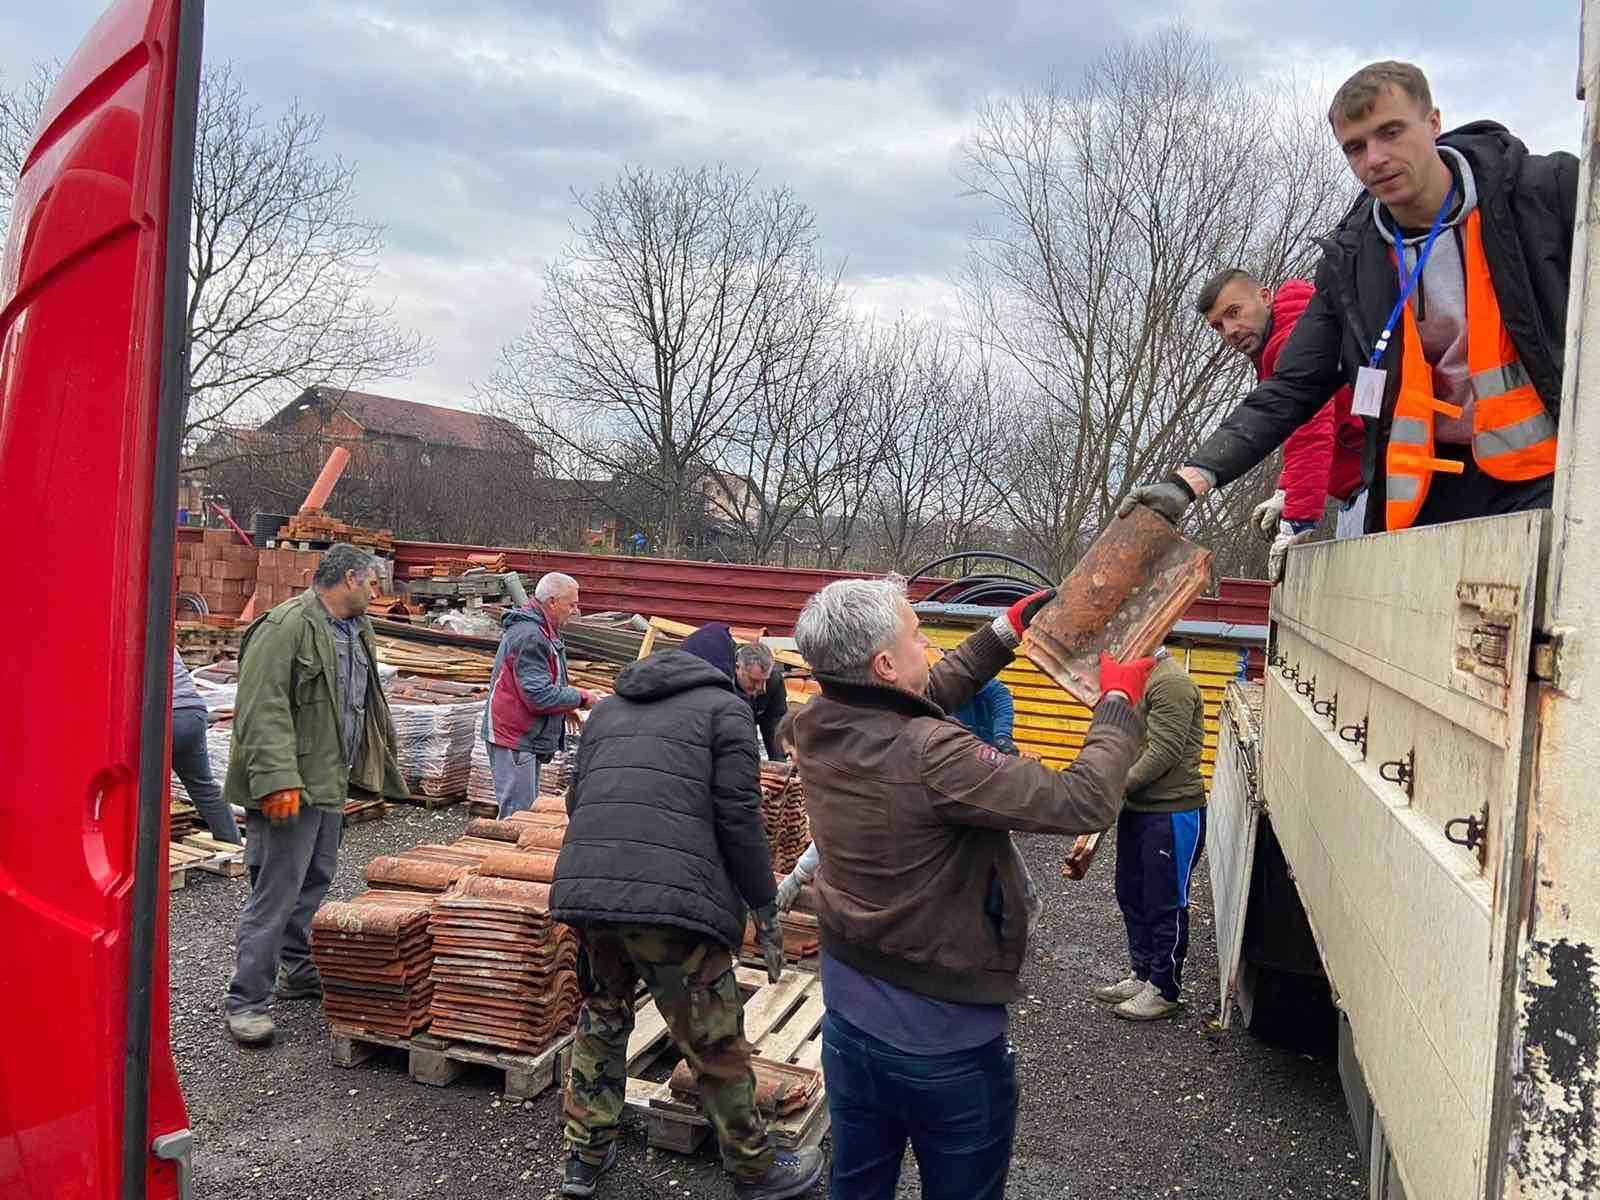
(1127, 678)
(281, 806)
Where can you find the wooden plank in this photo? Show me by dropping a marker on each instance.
(782, 1044)
(772, 1003)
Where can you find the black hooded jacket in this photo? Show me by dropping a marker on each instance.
(665, 804)
(1527, 202)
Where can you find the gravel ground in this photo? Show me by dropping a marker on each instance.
(1108, 1108)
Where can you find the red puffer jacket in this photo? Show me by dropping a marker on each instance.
(1323, 457)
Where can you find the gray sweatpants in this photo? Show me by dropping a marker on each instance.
(516, 779)
(291, 866)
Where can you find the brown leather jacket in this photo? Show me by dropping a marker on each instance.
(919, 883)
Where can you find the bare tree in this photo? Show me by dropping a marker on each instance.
(20, 109)
(660, 324)
(760, 475)
(280, 264)
(1109, 205)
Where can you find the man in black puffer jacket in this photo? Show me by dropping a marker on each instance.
(664, 854)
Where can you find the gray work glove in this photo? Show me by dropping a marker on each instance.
(1170, 498)
(1280, 545)
(770, 938)
(789, 891)
(1266, 515)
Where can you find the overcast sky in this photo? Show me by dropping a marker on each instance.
(473, 120)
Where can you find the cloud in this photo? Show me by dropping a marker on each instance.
(473, 122)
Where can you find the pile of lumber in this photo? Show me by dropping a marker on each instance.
(374, 955)
(436, 723)
(504, 973)
(783, 810)
(200, 643)
(315, 525)
(461, 665)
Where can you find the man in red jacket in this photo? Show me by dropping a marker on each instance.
(1321, 459)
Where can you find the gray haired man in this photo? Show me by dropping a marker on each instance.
(922, 900)
(760, 681)
(525, 720)
(310, 720)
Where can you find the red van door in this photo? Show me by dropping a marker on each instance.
(92, 373)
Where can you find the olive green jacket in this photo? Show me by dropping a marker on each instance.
(1166, 777)
(286, 729)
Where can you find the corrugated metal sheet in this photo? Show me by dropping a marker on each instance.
(663, 587)
(743, 595)
(1051, 723)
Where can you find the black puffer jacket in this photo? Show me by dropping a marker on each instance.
(1528, 203)
(666, 806)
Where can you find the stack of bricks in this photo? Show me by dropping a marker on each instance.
(220, 569)
(282, 575)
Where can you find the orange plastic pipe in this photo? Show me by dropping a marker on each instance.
(323, 487)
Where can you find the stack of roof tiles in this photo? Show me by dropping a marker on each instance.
(783, 810)
(504, 973)
(436, 724)
(373, 954)
(480, 777)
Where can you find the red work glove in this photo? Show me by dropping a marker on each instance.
(281, 806)
(1127, 678)
(1022, 613)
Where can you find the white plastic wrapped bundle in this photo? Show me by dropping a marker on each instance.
(434, 744)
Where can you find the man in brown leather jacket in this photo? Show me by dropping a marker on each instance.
(921, 897)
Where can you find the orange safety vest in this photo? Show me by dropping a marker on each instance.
(1513, 435)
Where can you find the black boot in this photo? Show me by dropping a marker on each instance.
(789, 1175)
(582, 1177)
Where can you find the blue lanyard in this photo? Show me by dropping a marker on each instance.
(1408, 283)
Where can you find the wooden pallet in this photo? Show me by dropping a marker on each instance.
(183, 858)
(439, 1062)
(419, 800)
(226, 859)
(372, 810)
(483, 808)
(783, 1021)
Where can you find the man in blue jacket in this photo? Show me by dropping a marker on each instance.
(990, 716)
(525, 720)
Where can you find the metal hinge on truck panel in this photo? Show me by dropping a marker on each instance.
(1486, 625)
(1548, 649)
(1328, 708)
(1356, 735)
(1470, 831)
(1402, 772)
(1307, 687)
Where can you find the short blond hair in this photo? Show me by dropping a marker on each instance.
(1360, 92)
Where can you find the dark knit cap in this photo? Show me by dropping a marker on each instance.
(714, 644)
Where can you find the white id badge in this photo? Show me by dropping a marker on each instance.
(1368, 399)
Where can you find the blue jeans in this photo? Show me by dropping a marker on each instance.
(516, 779)
(959, 1111)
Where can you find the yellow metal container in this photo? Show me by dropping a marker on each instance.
(1051, 723)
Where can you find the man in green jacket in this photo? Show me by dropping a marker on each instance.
(1160, 835)
(310, 719)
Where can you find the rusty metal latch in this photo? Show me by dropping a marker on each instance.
(1472, 831)
(1327, 708)
(1356, 735)
(1402, 772)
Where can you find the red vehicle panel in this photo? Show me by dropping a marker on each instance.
(89, 421)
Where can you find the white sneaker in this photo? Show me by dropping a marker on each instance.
(1148, 1005)
(1123, 989)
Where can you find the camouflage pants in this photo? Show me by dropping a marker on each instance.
(691, 979)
